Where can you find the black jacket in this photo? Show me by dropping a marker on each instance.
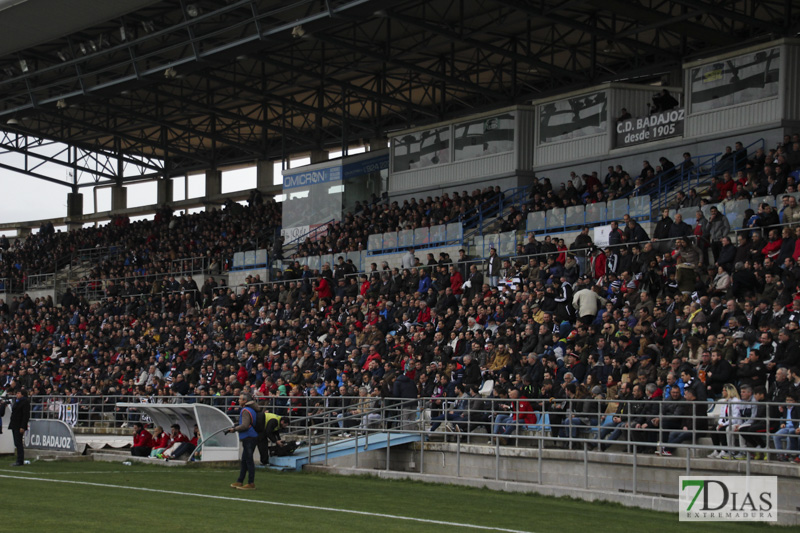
(20, 414)
(404, 388)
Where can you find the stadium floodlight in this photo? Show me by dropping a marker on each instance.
(82, 48)
(298, 31)
(148, 26)
(170, 73)
(61, 104)
(123, 33)
(192, 10)
(23, 65)
(12, 121)
(63, 56)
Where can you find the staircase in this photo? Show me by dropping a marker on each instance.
(318, 453)
(664, 187)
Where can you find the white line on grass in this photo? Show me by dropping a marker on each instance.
(80, 472)
(281, 504)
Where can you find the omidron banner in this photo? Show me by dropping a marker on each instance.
(728, 498)
(650, 128)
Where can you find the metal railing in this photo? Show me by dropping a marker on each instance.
(475, 221)
(35, 282)
(668, 182)
(189, 265)
(632, 426)
(312, 234)
(93, 256)
(95, 289)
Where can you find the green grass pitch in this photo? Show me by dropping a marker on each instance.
(104, 497)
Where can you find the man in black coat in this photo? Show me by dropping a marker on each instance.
(18, 425)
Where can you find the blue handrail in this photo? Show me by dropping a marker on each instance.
(495, 206)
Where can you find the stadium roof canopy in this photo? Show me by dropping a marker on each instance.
(180, 85)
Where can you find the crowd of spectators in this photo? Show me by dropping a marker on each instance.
(640, 317)
(735, 176)
(136, 256)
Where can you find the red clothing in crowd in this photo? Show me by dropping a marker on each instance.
(323, 289)
(600, 263)
(178, 437)
(161, 441)
(424, 315)
(525, 411)
(772, 249)
(143, 438)
(456, 281)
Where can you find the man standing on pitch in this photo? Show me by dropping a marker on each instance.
(249, 438)
(18, 425)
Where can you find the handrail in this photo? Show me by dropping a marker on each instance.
(494, 206)
(310, 232)
(657, 182)
(646, 423)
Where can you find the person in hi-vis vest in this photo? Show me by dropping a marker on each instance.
(248, 436)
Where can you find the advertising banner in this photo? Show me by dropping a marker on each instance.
(50, 435)
(650, 128)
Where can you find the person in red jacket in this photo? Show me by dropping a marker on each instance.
(184, 447)
(176, 438)
(142, 441)
(518, 411)
(599, 263)
(323, 289)
(160, 441)
(364, 286)
(424, 315)
(456, 281)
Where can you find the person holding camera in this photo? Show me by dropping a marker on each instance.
(18, 425)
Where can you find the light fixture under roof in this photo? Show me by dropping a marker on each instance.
(298, 31)
(12, 121)
(23, 65)
(192, 10)
(170, 73)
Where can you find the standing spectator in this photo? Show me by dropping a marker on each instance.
(493, 267)
(248, 436)
(18, 425)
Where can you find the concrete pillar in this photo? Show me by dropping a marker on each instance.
(119, 198)
(265, 174)
(319, 156)
(164, 191)
(74, 211)
(213, 183)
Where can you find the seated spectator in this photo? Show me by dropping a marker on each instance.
(160, 441)
(517, 411)
(142, 441)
